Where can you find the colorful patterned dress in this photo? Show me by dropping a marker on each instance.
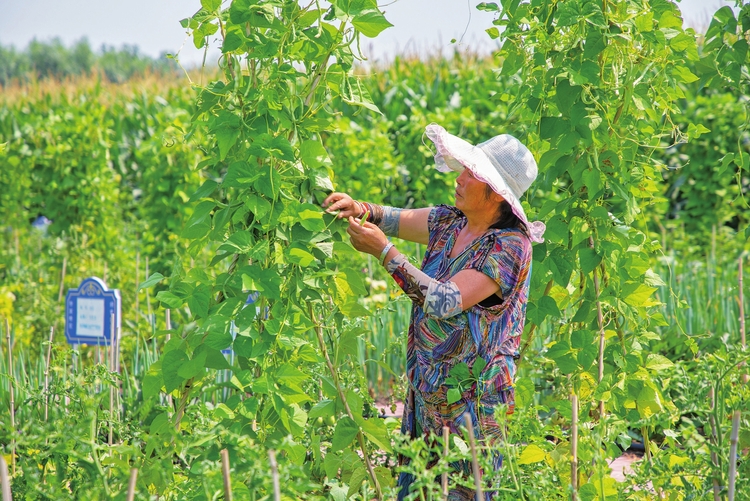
(492, 331)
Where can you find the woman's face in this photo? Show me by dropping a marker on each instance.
(471, 195)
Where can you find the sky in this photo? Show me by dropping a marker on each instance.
(420, 26)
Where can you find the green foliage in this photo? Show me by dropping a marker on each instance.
(41, 60)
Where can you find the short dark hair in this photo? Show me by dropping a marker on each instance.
(505, 216)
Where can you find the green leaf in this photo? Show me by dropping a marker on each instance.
(199, 301)
(493, 32)
(581, 339)
(684, 75)
(488, 7)
(300, 257)
(151, 385)
(170, 367)
(154, 279)
(193, 368)
(206, 189)
(371, 24)
(344, 434)
(478, 367)
(313, 154)
(211, 5)
(532, 454)
(374, 428)
(453, 396)
(589, 259)
(324, 409)
(169, 299)
(658, 362)
(638, 295)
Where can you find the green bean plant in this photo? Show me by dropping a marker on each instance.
(284, 67)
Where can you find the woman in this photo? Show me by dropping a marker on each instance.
(470, 295)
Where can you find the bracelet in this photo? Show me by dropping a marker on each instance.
(384, 253)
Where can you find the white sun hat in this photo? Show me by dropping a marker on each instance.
(502, 162)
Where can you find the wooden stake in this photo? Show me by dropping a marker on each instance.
(137, 270)
(446, 434)
(713, 439)
(131, 484)
(733, 453)
(600, 323)
(148, 296)
(111, 369)
(225, 473)
(574, 447)
(12, 401)
(274, 475)
(166, 340)
(743, 339)
(474, 460)
(62, 279)
(5, 480)
(46, 374)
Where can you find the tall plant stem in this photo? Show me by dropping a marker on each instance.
(600, 324)
(734, 439)
(335, 376)
(474, 460)
(12, 401)
(574, 447)
(46, 374)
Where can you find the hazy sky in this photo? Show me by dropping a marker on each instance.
(422, 26)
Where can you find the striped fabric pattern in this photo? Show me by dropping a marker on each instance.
(436, 345)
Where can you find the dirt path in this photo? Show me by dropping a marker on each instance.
(620, 466)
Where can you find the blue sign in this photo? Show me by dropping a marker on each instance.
(88, 313)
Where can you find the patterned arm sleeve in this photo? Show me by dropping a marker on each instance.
(439, 299)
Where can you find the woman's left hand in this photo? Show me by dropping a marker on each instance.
(366, 238)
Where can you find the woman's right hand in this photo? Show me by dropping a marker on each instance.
(343, 203)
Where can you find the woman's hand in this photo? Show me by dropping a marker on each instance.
(366, 237)
(343, 203)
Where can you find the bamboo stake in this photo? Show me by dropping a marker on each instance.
(111, 369)
(600, 323)
(225, 474)
(46, 374)
(148, 296)
(168, 319)
(743, 339)
(733, 453)
(342, 396)
(137, 271)
(714, 457)
(62, 279)
(446, 433)
(5, 480)
(474, 459)
(574, 447)
(131, 484)
(12, 401)
(274, 475)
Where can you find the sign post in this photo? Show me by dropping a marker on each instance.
(92, 313)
